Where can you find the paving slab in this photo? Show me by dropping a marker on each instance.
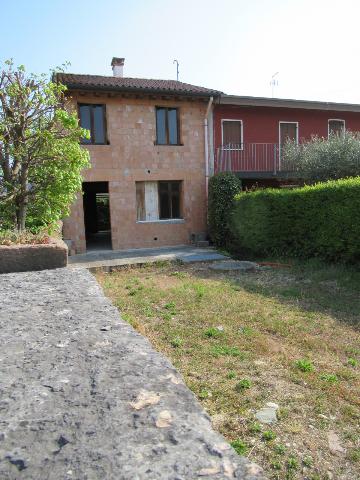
(83, 396)
(235, 265)
(116, 258)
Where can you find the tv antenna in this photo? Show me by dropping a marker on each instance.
(274, 83)
(177, 69)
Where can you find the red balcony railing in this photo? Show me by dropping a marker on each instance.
(251, 157)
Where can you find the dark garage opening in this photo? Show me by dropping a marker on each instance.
(97, 215)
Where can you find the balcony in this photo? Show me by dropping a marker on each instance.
(260, 160)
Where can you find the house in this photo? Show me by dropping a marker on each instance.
(154, 143)
(149, 154)
(249, 133)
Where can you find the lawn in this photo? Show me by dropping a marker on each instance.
(283, 335)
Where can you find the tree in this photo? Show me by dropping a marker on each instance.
(322, 159)
(40, 153)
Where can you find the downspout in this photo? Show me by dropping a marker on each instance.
(206, 133)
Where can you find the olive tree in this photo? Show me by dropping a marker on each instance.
(40, 153)
(322, 159)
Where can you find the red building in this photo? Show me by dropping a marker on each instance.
(249, 133)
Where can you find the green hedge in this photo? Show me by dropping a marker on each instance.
(222, 189)
(314, 221)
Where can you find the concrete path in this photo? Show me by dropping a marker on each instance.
(85, 397)
(115, 258)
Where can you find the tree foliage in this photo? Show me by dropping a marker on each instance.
(40, 153)
(323, 159)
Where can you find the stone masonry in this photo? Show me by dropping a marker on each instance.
(85, 397)
(132, 156)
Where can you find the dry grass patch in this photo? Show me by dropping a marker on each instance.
(242, 340)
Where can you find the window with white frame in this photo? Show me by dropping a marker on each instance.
(232, 134)
(336, 127)
(158, 200)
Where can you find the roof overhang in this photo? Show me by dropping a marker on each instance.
(242, 101)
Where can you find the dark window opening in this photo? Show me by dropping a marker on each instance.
(169, 200)
(167, 126)
(97, 215)
(93, 118)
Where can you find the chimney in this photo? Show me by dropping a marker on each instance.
(118, 66)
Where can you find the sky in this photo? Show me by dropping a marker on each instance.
(231, 45)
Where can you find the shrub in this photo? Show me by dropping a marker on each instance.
(314, 221)
(13, 237)
(222, 189)
(323, 159)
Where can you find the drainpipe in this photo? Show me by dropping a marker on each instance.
(207, 146)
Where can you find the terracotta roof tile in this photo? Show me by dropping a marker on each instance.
(98, 82)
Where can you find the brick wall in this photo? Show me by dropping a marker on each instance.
(132, 156)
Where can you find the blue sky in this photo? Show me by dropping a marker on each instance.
(231, 45)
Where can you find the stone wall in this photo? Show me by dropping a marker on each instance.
(132, 156)
(25, 258)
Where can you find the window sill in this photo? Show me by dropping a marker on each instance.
(168, 144)
(95, 144)
(167, 221)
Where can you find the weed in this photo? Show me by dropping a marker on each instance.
(220, 350)
(246, 331)
(239, 446)
(231, 375)
(329, 378)
(203, 394)
(268, 435)
(304, 365)
(171, 308)
(148, 311)
(354, 455)
(244, 384)
(199, 290)
(213, 332)
(255, 427)
(352, 362)
(307, 461)
(176, 342)
(178, 274)
(276, 465)
(279, 449)
(292, 463)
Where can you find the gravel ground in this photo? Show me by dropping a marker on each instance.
(83, 396)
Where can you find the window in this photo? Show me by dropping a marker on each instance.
(167, 126)
(169, 199)
(158, 200)
(288, 131)
(336, 127)
(232, 134)
(93, 118)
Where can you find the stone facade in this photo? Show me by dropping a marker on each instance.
(132, 156)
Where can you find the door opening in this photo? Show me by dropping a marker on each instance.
(97, 215)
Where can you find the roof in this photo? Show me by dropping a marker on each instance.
(132, 85)
(287, 103)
